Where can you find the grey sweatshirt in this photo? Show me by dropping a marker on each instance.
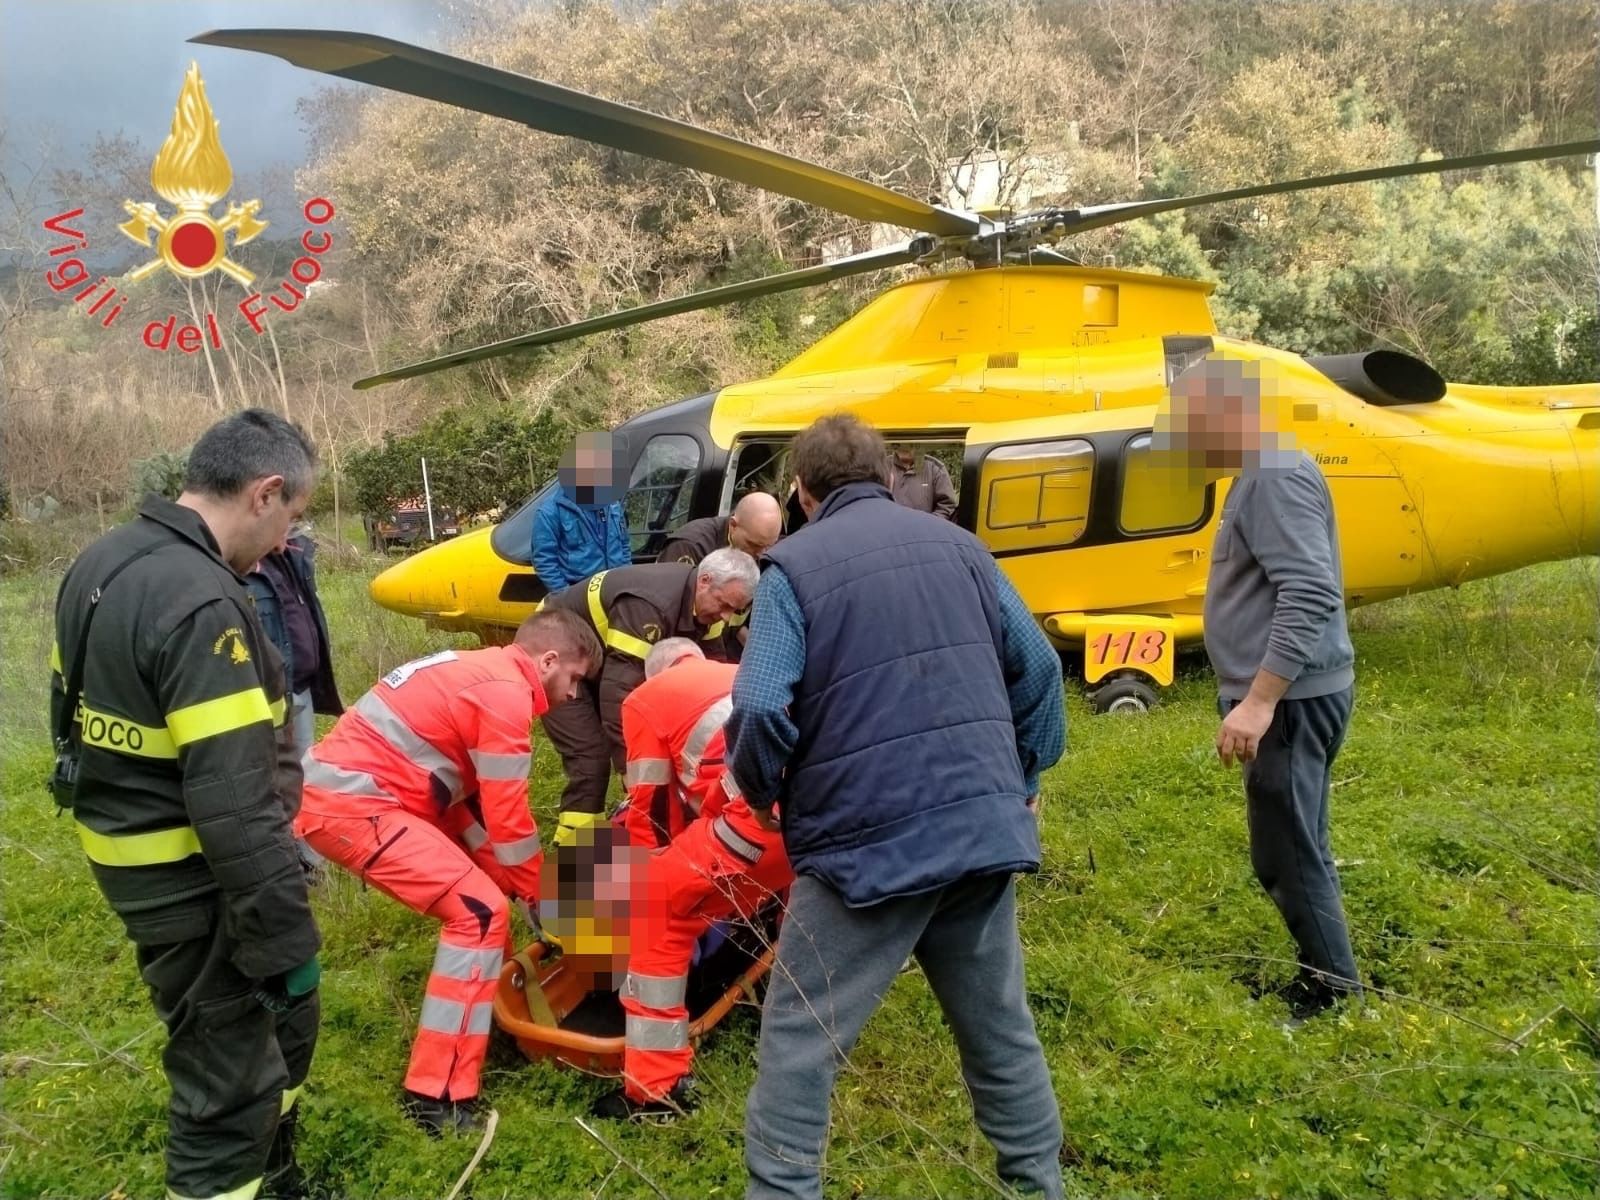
(1275, 591)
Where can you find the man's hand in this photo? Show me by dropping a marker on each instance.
(744, 635)
(1242, 730)
(1033, 804)
(767, 818)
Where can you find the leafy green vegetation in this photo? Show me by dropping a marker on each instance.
(1464, 820)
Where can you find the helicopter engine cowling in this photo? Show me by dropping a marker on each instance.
(1382, 377)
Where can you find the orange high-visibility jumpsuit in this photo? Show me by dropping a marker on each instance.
(717, 861)
(421, 790)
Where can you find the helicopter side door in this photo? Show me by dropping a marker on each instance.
(1108, 550)
(759, 462)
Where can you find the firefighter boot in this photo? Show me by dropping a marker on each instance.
(282, 1178)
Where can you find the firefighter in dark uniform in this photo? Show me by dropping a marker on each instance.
(632, 608)
(753, 526)
(178, 764)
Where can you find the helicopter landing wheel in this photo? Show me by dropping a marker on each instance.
(1125, 695)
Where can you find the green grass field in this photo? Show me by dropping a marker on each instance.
(1464, 817)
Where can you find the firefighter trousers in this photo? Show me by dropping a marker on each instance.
(432, 872)
(588, 754)
(710, 872)
(234, 1066)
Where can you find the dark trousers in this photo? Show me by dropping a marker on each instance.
(231, 1063)
(1286, 789)
(587, 753)
(833, 966)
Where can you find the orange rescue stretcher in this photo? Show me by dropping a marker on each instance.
(553, 1010)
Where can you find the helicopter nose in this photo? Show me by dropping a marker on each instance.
(455, 585)
(435, 582)
(411, 587)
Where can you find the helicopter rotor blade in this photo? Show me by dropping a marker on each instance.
(401, 67)
(1099, 216)
(857, 264)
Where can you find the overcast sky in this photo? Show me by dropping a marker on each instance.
(70, 69)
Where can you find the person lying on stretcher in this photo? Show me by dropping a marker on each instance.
(707, 860)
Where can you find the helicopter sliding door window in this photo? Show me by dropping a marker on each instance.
(660, 491)
(1035, 496)
(1156, 499)
(761, 465)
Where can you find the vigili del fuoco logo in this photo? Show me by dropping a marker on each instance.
(191, 173)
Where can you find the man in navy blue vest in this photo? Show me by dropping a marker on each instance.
(897, 703)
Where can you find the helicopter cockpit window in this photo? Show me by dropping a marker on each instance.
(1156, 500)
(1036, 495)
(660, 491)
(512, 538)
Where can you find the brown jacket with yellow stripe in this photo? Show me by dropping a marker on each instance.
(188, 780)
(632, 608)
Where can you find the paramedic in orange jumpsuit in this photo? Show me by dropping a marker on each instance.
(421, 790)
(715, 861)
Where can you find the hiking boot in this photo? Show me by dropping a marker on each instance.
(438, 1117)
(618, 1106)
(1308, 996)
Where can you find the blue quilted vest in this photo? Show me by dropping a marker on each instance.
(905, 777)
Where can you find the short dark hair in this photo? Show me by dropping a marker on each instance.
(837, 449)
(568, 634)
(250, 445)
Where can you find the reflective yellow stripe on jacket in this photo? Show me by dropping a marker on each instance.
(717, 630)
(139, 849)
(107, 731)
(185, 726)
(615, 638)
(210, 718)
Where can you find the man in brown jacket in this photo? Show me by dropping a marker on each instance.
(631, 609)
(920, 481)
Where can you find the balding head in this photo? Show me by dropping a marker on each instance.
(755, 525)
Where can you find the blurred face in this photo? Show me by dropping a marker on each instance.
(264, 521)
(713, 604)
(560, 677)
(591, 469)
(589, 908)
(1215, 423)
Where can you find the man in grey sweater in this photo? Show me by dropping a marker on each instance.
(1276, 635)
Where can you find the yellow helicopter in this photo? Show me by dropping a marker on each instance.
(1040, 380)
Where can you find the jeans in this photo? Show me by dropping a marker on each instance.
(1286, 791)
(834, 964)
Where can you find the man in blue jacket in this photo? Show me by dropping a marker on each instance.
(581, 528)
(899, 703)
